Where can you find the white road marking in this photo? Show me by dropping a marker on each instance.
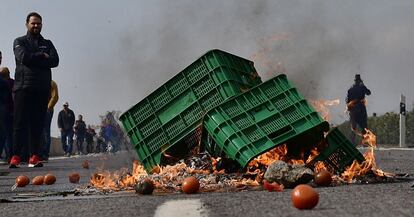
(181, 208)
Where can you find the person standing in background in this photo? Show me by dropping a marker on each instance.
(80, 131)
(6, 139)
(355, 100)
(66, 120)
(53, 98)
(35, 56)
(90, 134)
(5, 92)
(3, 98)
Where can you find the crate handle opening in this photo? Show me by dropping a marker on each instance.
(253, 112)
(280, 132)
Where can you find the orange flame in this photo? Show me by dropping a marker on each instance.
(259, 164)
(319, 166)
(279, 153)
(359, 169)
(165, 178)
(170, 177)
(269, 157)
(313, 155)
(120, 179)
(322, 107)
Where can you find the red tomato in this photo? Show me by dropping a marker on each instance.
(304, 197)
(22, 181)
(38, 180)
(145, 187)
(190, 185)
(50, 179)
(74, 177)
(323, 178)
(272, 186)
(85, 164)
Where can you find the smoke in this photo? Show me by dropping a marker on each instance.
(319, 44)
(181, 31)
(113, 55)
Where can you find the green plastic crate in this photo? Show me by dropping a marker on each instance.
(175, 109)
(270, 114)
(339, 153)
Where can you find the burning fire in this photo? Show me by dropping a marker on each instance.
(319, 166)
(169, 178)
(359, 169)
(118, 180)
(269, 157)
(260, 163)
(166, 178)
(322, 107)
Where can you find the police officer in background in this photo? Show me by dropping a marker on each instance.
(35, 56)
(355, 101)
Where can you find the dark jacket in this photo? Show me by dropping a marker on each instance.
(66, 120)
(32, 67)
(355, 97)
(4, 92)
(90, 133)
(4, 95)
(357, 92)
(80, 128)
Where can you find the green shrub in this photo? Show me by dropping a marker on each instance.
(386, 127)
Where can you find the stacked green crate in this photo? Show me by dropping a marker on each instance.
(270, 114)
(176, 109)
(339, 153)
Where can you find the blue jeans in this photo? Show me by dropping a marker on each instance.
(67, 135)
(46, 134)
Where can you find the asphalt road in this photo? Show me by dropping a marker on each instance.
(387, 199)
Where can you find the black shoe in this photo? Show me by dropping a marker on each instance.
(40, 164)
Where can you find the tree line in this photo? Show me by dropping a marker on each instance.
(386, 127)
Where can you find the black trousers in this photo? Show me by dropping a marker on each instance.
(358, 118)
(30, 108)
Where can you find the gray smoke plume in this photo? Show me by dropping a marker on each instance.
(319, 44)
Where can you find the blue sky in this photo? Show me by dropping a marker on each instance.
(114, 53)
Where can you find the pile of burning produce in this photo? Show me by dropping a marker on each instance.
(168, 179)
(213, 177)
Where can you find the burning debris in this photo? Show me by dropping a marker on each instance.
(261, 132)
(169, 179)
(288, 175)
(274, 167)
(368, 167)
(286, 165)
